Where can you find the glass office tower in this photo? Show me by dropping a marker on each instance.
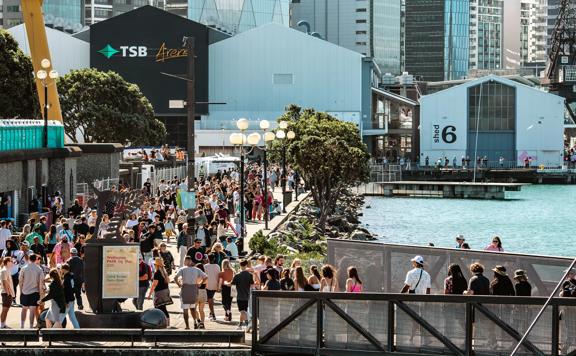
(64, 14)
(235, 16)
(456, 39)
(385, 35)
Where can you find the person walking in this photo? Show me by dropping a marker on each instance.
(226, 276)
(478, 283)
(417, 279)
(501, 284)
(68, 284)
(160, 289)
(57, 310)
(328, 283)
(188, 278)
(182, 244)
(32, 287)
(77, 270)
(144, 277)
(523, 288)
(244, 280)
(201, 300)
(353, 283)
(213, 271)
(495, 245)
(455, 283)
(6, 289)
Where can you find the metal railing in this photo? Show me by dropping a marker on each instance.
(387, 264)
(369, 323)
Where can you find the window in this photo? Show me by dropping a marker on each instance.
(283, 79)
(361, 32)
(361, 10)
(493, 106)
(360, 21)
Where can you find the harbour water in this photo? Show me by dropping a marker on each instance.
(541, 219)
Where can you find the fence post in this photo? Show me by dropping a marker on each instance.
(469, 329)
(255, 316)
(555, 329)
(319, 325)
(391, 329)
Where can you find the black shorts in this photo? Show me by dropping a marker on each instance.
(210, 293)
(7, 300)
(50, 248)
(29, 300)
(242, 305)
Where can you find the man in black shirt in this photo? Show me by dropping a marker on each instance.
(77, 269)
(81, 227)
(197, 252)
(478, 284)
(39, 249)
(75, 210)
(243, 282)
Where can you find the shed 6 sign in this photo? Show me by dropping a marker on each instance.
(444, 134)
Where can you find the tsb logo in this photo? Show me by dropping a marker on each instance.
(125, 51)
(134, 51)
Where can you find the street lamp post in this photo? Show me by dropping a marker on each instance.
(239, 139)
(282, 135)
(43, 74)
(268, 137)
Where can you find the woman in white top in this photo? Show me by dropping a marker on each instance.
(314, 279)
(104, 225)
(300, 281)
(328, 283)
(133, 221)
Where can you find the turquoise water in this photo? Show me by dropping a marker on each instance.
(538, 220)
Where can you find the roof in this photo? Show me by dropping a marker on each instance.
(491, 78)
(276, 32)
(395, 97)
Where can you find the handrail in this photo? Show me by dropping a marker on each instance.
(430, 298)
(373, 323)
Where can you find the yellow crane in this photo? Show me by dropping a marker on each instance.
(36, 32)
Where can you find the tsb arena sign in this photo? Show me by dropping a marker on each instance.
(143, 43)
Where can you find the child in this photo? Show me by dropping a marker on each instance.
(169, 228)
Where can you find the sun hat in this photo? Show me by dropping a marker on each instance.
(418, 259)
(460, 237)
(73, 251)
(501, 270)
(519, 273)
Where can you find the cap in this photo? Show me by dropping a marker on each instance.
(73, 251)
(418, 259)
(501, 270)
(37, 226)
(25, 243)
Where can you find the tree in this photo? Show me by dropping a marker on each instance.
(103, 107)
(327, 153)
(18, 95)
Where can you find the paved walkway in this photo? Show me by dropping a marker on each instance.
(174, 310)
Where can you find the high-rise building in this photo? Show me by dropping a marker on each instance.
(177, 7)
(537, 31)
(235, 16)
(370, 27)
(65, 15)
(99, 10)
(486, 26)
(437, 39)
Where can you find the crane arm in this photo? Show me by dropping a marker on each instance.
(36, 32)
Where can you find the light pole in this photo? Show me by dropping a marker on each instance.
(282, 135)
(268, 137)
(239, 139)
(43, 74)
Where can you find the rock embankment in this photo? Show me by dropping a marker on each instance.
(301, 233)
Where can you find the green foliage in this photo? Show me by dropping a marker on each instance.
(259, 244)
(103, 107)
(328, 154)
(18, 95)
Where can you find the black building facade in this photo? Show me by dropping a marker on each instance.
(142, 44)
(424, 39)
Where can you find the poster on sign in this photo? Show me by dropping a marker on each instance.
(120, 272)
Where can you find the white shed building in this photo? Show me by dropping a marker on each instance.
(492, 117)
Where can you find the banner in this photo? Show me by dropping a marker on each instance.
(120, 272)
(188, 200)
